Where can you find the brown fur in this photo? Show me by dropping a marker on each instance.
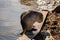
(28, 18)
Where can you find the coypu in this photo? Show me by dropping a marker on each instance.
(30, 21)
(31, 17)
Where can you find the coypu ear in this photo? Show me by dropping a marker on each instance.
(56, 10)
(23, 14)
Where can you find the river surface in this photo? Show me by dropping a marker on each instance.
(10, 11)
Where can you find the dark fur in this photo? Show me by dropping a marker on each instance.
(28, 19)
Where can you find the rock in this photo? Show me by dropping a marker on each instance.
(53, 24)
(41, 4)
(23, 37)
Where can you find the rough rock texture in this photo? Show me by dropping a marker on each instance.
(53, 24)
(41, 4)
(48, 4)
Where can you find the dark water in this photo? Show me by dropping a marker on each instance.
(10, 11)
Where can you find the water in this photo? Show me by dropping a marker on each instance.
(10, 11)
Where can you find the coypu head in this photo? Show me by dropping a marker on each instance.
(31, 20)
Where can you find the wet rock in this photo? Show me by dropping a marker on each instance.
(41, 4)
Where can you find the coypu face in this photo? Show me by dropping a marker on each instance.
(30, 18)
(31, 21)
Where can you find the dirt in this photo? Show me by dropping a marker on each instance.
(53, 24)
